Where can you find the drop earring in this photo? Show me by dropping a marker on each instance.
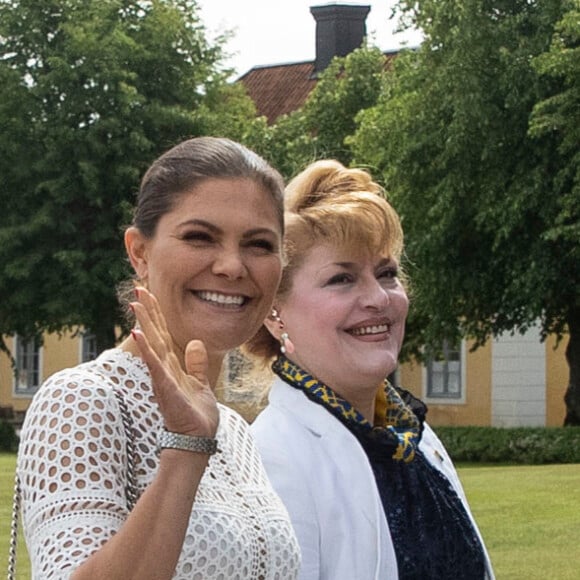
(286, 345)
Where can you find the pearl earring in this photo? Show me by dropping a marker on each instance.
(286, 345)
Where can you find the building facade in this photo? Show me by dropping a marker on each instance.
(512, 381)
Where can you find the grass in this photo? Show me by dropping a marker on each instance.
(529, 517)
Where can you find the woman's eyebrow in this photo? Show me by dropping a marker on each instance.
(199, 222)
(259, 231)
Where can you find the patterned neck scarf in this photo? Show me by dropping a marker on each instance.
(397, 431)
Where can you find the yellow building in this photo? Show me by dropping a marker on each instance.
(32, 363)
(511, 381)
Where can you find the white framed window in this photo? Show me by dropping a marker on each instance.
(28, 364)
(444, 374)
(88, 346)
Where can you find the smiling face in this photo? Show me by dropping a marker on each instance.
(214, 262)
(345, 314)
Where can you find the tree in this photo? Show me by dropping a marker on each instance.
(557, 119)
(320, 128)
(489, 201)
(90, 92)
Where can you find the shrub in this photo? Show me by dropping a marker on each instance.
(8, 438)
(518, 445)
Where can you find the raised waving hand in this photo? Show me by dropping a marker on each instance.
(184, 396)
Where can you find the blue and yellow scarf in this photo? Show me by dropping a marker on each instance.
(399, 416)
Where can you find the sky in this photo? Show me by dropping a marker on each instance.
(279, 31)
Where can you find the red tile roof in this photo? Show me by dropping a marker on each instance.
(279, 89)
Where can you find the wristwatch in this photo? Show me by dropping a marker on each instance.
(168, 440)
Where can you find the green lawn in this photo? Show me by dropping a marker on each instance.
(529, 517)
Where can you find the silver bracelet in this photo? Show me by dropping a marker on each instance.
(168, 440)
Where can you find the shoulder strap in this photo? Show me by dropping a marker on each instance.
(130, 489)
(14, 529)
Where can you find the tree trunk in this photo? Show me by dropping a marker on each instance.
(572, 397)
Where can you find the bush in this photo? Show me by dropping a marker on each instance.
(8, 438)
(520, 445)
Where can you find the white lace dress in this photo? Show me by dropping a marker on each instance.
(72, 467)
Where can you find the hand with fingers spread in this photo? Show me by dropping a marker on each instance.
(184, 395)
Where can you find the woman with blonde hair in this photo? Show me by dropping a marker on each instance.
(371, 491)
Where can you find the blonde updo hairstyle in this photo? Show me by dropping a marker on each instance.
(330, 204)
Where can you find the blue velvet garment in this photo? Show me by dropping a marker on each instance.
(432, 533)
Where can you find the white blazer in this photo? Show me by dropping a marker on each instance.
(326, 482)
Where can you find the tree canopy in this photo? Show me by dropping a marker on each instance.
(319, 128)
(91, 91)
(476, 136)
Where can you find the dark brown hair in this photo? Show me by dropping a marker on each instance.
(187, 164)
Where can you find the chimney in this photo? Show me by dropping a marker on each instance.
(340, 28)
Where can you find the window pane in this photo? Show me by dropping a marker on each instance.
(454, 379)
(437, 384)
(444, 374)
(27, 370)
(89, 347)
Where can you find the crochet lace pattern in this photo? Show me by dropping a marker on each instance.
(72, 467)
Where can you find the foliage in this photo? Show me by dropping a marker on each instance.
(558, 115)
(8, 437)
(489, 203)
(347, 86)
(556, 119)
(517, 445)
(90, 92)
(286, 144)
(319, 129)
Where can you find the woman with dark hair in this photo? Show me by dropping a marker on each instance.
(205, 245)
